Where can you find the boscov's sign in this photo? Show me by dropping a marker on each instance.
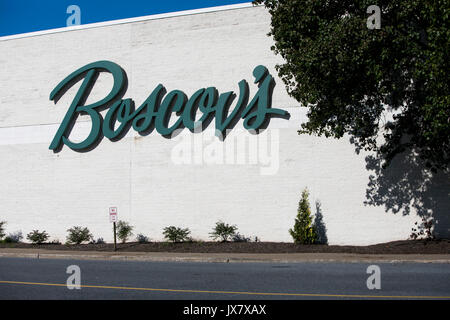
(155, 112)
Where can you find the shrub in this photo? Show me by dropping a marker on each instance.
(194, 240)
(2, 229)
(124, 231)
(223, 230)
(14, 237)
(99, 241)
(37, 237)
(175, 234)
(141, 238)
(303, 231)
(237, 237)
(78, 235)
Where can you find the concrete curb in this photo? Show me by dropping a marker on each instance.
(226, 257)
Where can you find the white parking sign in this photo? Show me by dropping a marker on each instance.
(112, 214)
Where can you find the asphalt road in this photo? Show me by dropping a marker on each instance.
(24, 278)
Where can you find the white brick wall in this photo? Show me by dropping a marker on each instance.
(43, 190)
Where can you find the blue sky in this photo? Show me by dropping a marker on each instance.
(21, 16)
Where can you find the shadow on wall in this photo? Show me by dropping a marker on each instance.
(319, 225)
(406, 184)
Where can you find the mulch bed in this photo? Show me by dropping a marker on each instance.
(441, 246)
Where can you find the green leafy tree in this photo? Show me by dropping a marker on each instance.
(303, 231)
(124, 231)
(223, 231)
(391, 82)
(78, 235)
(37, 237)
(176, 234)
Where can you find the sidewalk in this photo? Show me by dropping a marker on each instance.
(224, 257)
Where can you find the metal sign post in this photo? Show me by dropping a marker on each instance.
(113, 219)
(115, 242)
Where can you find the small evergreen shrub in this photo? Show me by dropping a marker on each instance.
(124, 231)
(37, 237)
(223, 231)
(176, 234)
(237, 237)
(14, 237)
(78, 235)
(303, 231)
(142, 238)
(98, 241)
